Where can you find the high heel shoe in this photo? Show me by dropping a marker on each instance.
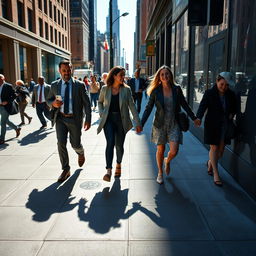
(209, 171)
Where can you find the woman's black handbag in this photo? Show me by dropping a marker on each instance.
(231, 131)
(183, 121)
(14, 108)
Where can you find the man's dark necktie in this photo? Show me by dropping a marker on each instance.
(40, 94)
(66, 99)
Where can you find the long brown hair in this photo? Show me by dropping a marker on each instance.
(113, 72)
(156, 79)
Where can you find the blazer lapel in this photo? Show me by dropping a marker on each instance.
(59, 87)
(108, 95)
(73, 92)
(121, 96)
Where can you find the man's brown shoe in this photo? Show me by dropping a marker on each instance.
(81, 159)
(18, 132)
(64, 176)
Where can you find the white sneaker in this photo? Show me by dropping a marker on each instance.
(160, 179)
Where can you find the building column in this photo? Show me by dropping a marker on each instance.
(11, 60)
(36, 63)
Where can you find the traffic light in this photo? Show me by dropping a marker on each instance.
(198, 12)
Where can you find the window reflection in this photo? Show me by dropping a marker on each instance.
(181, 58)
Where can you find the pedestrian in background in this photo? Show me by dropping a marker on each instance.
(94, 91)
(168, 99)
(69, 100)
(39, 96)
(221, 105)
(103, 79)
(31, 85)
(7, 96)
(86, 83)
(23, 98)
(115, 101)
(137, 85)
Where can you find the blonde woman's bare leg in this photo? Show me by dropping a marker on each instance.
(159, 160)
(174, 149)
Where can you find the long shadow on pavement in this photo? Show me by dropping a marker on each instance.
(50, 200)
(102, 219)
(35, 137)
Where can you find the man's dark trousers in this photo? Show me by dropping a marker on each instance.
(42, 108)
(137, 97)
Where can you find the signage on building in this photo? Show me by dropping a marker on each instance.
(178, 7)
(150, 51)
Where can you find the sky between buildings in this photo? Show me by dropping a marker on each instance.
(127, 25)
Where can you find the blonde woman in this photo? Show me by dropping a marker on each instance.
(94, 88)
(23, 99)
(115, 101)
(168, 99)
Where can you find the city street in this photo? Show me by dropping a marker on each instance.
(133, 215)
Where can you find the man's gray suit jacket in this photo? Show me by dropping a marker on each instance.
(80, 99)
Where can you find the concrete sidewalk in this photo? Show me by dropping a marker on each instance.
(188, 215)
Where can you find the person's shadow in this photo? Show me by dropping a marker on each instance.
(176, 213)
(35, 137)
(114, 202)
(50, 200)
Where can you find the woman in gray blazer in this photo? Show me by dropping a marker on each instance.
(114, 103)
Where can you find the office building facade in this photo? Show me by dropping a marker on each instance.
(79, 33)
(34, 37)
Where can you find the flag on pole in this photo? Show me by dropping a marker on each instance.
(106, 45)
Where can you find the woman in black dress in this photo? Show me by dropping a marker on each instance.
(221, 105)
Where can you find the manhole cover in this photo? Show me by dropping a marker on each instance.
(90, 185)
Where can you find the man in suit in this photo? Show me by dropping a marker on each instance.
(137, 85)
(39, 96)
(70, 100)
(7, 95)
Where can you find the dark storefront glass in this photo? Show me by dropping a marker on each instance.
(50, 66)
(201, 36)
(23, 64)
(173, 49)
(243, 66)
(181, 57)
(210, 54)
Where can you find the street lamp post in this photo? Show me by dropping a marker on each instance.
(111, 32)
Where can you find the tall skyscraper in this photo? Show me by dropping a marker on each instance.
(79, 24)
(115, 32)
(93, 31)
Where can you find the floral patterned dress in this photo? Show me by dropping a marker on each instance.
(170, 130)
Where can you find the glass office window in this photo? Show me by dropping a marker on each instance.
(243, 66)
(181, 58)
(173, 48)
(30, 20)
